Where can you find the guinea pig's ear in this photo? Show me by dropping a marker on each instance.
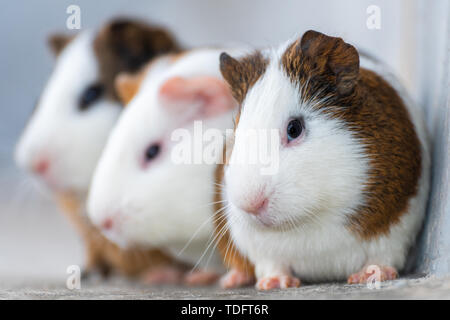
(209, 95)
(127, 85)
(333, 57)
(58, 42)
(242, 74)
(232, 72)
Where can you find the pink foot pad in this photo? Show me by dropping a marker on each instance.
(200, 278)
(278, 282)
(235, 279)
(383, 273)
(168, 275)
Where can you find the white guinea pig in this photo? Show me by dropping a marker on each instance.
(78, 107)
(353, 174)
(140, 194)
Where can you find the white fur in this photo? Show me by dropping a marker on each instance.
(165, 204)
(71, 139)
(320, 182)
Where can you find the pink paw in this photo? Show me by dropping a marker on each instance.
(167, 275)
(278, 282)
(385, 273)
(200, 278)
(235, 279)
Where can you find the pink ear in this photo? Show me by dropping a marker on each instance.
(212, 94)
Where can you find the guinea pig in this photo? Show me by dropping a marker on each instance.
(78, 107)
(141, 193)
(349, 191)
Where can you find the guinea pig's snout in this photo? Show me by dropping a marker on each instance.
(107, 224)
(40, 166)
(256, 204)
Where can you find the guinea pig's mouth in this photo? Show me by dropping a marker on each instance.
(270, 221)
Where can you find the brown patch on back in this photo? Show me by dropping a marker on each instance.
(388, 135)
(125, 46)
(376, 115)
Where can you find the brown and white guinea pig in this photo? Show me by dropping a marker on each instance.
(142, 194)
(78, 107)
(353, 168)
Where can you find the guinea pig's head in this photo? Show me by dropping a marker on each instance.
(292, 99)
(141, 194)
(79, 105)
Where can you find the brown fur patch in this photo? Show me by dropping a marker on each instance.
(125, 46)
(127, 85)
(242, 74)
(374, 112)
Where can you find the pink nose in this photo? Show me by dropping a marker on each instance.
(41, 166)
(256, 205)
(107, 224)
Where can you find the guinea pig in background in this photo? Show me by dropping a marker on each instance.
(141, 195)
(350, 192)
(78, 107)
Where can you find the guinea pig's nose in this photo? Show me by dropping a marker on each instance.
(107, 224)
(256, 205)
(41, 166)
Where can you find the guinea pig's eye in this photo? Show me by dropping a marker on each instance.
(152, 152)
(294, 129)
(90, 95)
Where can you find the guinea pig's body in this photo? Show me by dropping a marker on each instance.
(353, 175)
(69, 128)
(140, 194)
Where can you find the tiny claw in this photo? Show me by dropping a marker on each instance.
(167, 275)
(200, 278)
(383, 273)
(235, 279)
(278, 282)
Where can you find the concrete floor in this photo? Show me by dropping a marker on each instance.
(421, 288)
(37, 245)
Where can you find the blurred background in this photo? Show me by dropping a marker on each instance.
(37, 241)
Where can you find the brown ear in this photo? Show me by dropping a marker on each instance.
(232, 71)
(242, 74)
(127, 85)
(58, 42)
(331, 57)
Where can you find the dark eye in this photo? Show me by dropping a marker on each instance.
(152, 152)
(90, 95)
(294, 129)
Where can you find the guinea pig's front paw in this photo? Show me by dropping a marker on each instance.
(200, 278)
(236, 278)
(163, 275)
(379, 273)
(278, 282)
